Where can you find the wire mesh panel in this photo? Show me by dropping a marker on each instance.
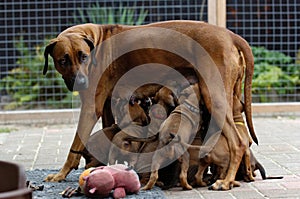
(26, 27)
(272, 29)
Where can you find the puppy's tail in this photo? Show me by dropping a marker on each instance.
(201, 150)
(263, 173)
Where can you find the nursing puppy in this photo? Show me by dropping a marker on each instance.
(184, 121)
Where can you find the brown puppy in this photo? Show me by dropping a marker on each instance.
(86, 56)
(184, 121)
(121, 149)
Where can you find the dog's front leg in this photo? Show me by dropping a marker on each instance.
(87, 120)
(154, 174)
(72, 162)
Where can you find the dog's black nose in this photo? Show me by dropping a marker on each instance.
(80, 79)
(81, 82)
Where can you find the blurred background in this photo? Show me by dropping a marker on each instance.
(272, 28)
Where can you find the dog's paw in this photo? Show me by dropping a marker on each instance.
(220, 185)
(54, 178)
(224, 185)
(160, 184)
(249, 178)
(201, 184)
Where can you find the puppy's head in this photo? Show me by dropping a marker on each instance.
(123, 149)
(191, 93)
(130, 111)
(166, 98)
(71, 54)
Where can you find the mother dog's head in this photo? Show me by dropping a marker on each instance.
(71, 55)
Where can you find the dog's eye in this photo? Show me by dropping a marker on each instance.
(62, 61)
(126, 144)
(83, 57)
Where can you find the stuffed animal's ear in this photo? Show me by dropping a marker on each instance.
(48, 50)
(93, 190)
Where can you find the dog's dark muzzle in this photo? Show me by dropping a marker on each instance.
(77, 82)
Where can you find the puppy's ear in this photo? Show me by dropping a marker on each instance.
(172, 135)
(132, 100)
(175, 138)
(48, 50)
(174, 102)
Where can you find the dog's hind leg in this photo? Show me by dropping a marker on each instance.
(157, 159)
(248, 170)
(237, 149)
(199, 175)
(184, 170)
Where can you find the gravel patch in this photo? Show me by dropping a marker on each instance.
(51, 189)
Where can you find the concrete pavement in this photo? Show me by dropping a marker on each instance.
(45, 146)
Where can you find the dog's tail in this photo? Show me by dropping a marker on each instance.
(263, 172)
(243, 46)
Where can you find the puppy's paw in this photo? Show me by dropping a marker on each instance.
(146, 187)
(187, 187)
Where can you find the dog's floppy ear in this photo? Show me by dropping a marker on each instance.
(90, 43)
(48, 50)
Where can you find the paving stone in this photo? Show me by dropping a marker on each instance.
(47, 146)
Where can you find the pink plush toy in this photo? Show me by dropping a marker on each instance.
(100, 181)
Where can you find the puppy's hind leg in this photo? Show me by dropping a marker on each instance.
(184, 169)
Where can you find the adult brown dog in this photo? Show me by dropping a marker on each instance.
(92, 58)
